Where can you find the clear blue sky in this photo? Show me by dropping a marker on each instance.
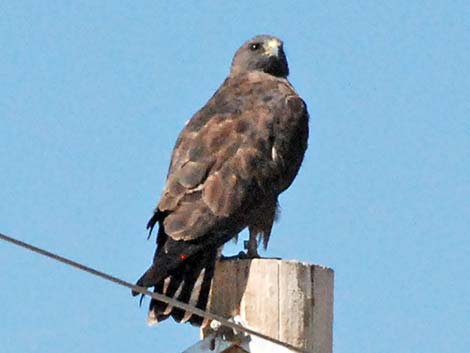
(94, 93)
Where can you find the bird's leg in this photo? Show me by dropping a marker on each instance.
(252, 245)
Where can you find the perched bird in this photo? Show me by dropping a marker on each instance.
(230, 163)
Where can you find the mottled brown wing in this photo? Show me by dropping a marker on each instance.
(223, 164)
(202, 189)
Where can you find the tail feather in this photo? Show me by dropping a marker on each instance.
(174, 284)
(169, 260)
(159, 288)
(204, 292)
(190, 284)
(182, 270)
(157, 308)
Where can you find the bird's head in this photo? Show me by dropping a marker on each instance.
(262, 53)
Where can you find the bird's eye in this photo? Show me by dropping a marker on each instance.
(255, 46)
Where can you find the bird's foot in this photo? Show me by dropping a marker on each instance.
(251, 247)
(240, 256)
(244, 256)
(252, 254)
(228, 258)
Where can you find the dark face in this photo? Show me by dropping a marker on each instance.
(262, 53)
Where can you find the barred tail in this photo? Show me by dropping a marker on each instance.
(190, 284)
(182, 270)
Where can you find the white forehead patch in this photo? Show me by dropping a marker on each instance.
(273, 47)
(274, 43)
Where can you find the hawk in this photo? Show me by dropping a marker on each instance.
(230, 163)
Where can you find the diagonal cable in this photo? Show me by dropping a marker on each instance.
(145, 291)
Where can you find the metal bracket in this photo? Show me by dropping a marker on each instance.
(225, 338)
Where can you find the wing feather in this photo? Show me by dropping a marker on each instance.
(222, 165)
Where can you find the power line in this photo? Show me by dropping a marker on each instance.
(153, 295)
